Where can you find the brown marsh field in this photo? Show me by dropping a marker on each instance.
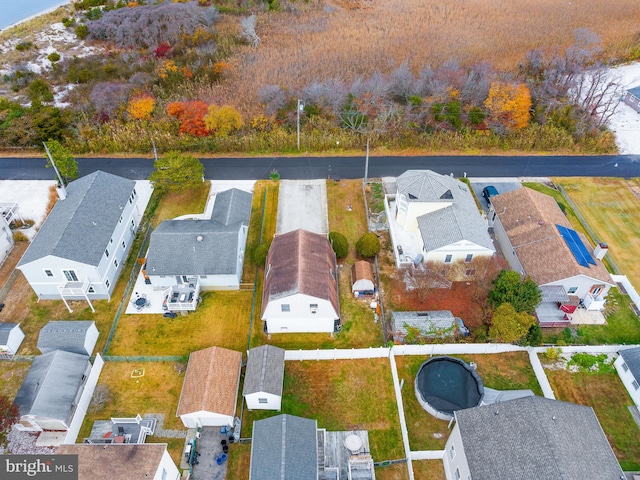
(349, 39)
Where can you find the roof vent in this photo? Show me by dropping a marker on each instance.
(199, 238)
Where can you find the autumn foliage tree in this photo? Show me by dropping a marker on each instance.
(508, 105)
(141, 107)
(508, 325)
(191, 115)
(221, 121)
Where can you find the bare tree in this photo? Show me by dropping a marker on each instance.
(248, 25)
(101, 395)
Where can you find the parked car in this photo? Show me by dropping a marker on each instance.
(488, 192)
(462, 329)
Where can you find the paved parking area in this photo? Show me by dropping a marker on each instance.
(302, 204)
(209, 448)
(502, 184)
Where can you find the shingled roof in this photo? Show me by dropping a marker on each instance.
(5, 331)
(67, 335)
(536, 438)
(529, 219)
(201, 247)
(458, 219)
(51, 385)
(211, 382)
(301, 262)
(79, 228)
(284, 447)
(631, 357)
(265, 370)
(116, 462)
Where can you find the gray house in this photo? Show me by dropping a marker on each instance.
(431, 324)
(632, 98)
(207, 254)
(51, 391)
(82, 245)
(11, 336)
(284, 447)
(263, 378)
(531, 438)
(75, 336)
(628, 366)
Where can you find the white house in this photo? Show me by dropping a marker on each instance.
(263, 378)
(632, 98)
(83, 244)
(75, 336)
(11, 336)
(538, 241)
(6, 239)
(208, 254)
(210, 389)
(149, 461)
(628, 366)
(530, 438)
(56, 392)
(442, 214)
(301, 285)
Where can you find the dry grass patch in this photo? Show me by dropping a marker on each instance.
(431, 469)
(239, 461)
(265, 198)
(605, 393)
(221, 319)
(12, 375)
(343, 395)
(317, 42)
(397, 471)
(612, 208)
(11, 261)
(184, 202)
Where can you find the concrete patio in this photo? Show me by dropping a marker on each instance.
(209, 448)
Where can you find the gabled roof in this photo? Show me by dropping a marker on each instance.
(211, 382)
(431, 322)
(284, 447)
(535, 438)
(5, 331)
(301, 262)
(67, 335)
(79, 228)
(458, 219)
(265, 370)
(116, 462)
(51, 385)
(529, 219)
(631, 357)
(361, 270)
(635, 91)
(201, 247)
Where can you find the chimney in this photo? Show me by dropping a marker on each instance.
(601, 250)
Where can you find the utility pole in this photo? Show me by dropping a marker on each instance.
(299, 109)
(366, 165)
(46, 149)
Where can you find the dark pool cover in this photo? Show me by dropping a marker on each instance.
(449, 384)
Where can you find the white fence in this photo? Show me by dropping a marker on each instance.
(403, 422)
(427, 455)
(337, 354)
(85, 399)
(455, 348)
(622, 279)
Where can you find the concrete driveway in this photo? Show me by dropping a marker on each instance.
(502, 184)
(302, 204)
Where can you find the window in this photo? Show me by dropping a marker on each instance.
(572, 290)
(263, 400)
(164, 474)
(124, 245)
(285, 307)
(468, 258)
(115, 262)
(48, 273)
(625, 367)
(448, 258)
(91, 290)
(106, 282)
(133, 224)
(106, 252)
(456, 474)
(470, 272)
(452, 452)
(635, 385)
(120, 221)
(313, 307)
(70, 275)
(111, 240)
(203, 276)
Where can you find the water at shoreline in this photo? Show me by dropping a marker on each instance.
(15, 11)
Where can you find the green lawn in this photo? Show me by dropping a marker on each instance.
(346, 212)
(605, 393)
(503, 371)
(239, 461)
(428, 469)
(343, 395)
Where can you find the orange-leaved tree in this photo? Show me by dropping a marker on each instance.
(141, 107)
(191, 115)
(221, 121)
(508, 104)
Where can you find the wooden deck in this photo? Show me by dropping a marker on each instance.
(336, 462)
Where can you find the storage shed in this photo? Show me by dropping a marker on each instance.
(75, 336)
(11, 336)
(362, 279)
(263, 378)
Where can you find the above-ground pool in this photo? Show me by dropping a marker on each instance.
(446, 384)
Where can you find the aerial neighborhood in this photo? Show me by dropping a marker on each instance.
(332, 240)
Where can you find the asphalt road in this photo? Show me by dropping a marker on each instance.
(255, 168)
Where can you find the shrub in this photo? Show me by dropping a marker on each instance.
(20, 237)
(191, 115)
(82, 31)
(39, 91)
(260, 254)
(68, 22)
(339, 243)
(368, 245)
(53, 57)
(221, 121)
(552, 354)
(22, 46)
(141, 107)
